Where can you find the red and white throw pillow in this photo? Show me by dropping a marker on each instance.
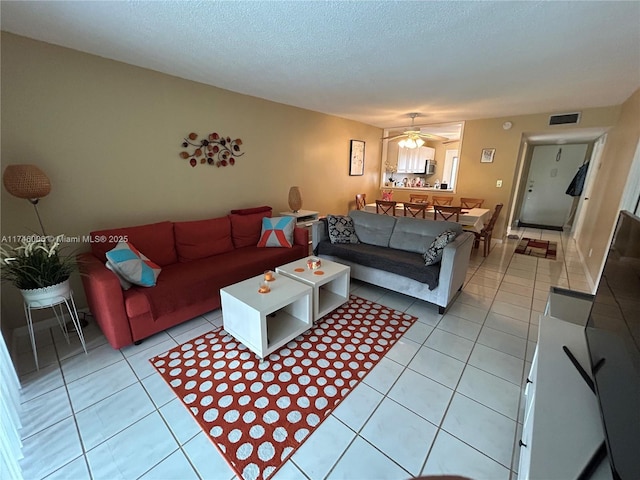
(277, 232)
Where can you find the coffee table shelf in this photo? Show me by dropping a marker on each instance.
(264, 322)
(330, 290)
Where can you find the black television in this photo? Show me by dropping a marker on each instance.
(613, 340)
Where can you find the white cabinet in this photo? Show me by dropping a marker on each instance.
(413, 160)
(562, 427)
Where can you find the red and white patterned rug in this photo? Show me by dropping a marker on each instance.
(537, 248)
(256, 413)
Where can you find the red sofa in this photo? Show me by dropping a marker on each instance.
(197, 259)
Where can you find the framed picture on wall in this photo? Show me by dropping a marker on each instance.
(487, 155)
(356, 158)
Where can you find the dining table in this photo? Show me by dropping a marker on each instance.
(471, 219)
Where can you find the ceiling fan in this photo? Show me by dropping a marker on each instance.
(413, 138)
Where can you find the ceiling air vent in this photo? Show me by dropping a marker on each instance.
(564, 119)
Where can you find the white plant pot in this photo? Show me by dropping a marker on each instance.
(47, 296)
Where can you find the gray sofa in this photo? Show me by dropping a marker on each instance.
(390, 255)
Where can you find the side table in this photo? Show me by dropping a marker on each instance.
(52, 303)
(304, 219)
(330, 283)
(265, 322)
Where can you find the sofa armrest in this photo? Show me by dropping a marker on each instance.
(106, 300)
(300, 236)
(319, 233)
(455, 262)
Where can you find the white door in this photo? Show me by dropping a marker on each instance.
(550, 173)
(592, 173)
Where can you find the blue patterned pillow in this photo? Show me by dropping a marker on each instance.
(128, 263)
(341, 229)
(434, 252)
(277, 232)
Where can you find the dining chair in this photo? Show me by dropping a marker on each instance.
(486, 232)
(415, 198)
(438, 200)
(386, 207)
(446, 212)
(471, 202)
(361, 201)
(414, 209)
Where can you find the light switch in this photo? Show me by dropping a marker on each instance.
(499, 183)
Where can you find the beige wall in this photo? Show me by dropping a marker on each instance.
(604, 201)
(108, 135)
(478, 180)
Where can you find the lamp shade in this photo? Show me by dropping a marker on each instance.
(26, 181)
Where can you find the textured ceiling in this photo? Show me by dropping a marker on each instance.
(370, 61)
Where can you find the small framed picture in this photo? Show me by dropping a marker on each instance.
(356, 158)
(487, 155)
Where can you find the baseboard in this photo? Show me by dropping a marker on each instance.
(537, 225)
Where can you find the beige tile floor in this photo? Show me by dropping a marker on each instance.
(445, 399)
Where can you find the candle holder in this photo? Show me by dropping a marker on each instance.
(264, 287)
(313, 263)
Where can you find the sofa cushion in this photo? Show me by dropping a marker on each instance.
(277, 232)
(416, 234)
(400, 262)
(341, 229)
(184, 284)
(131, 265)
(202, 238)
(246, 228)
(372, 228)
(434, 252)
(156, 240)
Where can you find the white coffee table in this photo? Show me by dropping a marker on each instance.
(330, 283)
(264, 322)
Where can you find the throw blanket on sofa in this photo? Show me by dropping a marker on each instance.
(400, 262)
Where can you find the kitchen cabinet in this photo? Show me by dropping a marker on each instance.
(412, 160)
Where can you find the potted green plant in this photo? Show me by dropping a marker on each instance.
(38, 268)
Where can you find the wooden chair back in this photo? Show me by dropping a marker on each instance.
(494, 218)
(415, 198)
(414, 209)
(386, 207)
(441, 200)
(487, 232)
(446, 212)
(471, 202)
(361, 201)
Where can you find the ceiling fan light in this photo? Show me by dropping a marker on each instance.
(410, 143)
(402, 143)
(419, 142)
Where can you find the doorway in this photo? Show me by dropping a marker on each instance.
(552, 167)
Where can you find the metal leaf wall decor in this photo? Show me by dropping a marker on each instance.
(213, 150)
